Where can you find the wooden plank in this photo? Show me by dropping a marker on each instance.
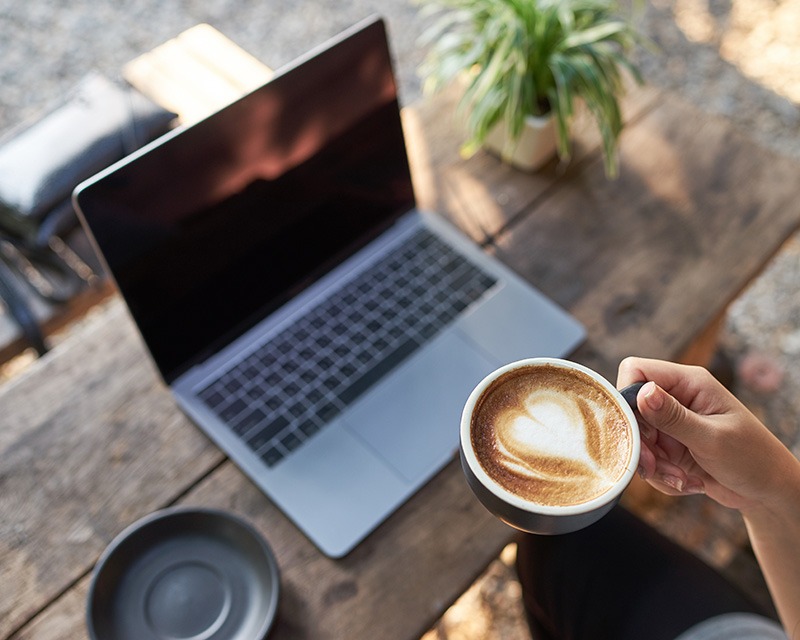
(649, 261)
(324, 598)
(185, 84)
(482, 195)
(196, 73)
(227, 60)
(64, 501)
(702, 348)
(89, 441)
(64, 620)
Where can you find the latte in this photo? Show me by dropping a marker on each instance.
(551, 435)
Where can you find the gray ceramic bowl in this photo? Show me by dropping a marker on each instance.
(184, 573)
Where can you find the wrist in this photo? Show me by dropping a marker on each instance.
(779, 505)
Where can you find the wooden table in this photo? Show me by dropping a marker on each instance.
(90, 440)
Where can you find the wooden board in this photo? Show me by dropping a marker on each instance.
(196, 73)
(373, 588)
(74, 478)
(90, 440)
(481, 195)
(651, 260)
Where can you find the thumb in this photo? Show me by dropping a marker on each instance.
(665, 413)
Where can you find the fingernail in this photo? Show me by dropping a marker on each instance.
(653, 396)
(642, 473)
(694, 488)
(673, 482)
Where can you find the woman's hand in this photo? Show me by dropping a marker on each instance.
(698, 438)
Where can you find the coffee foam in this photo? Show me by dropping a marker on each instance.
(550, 435)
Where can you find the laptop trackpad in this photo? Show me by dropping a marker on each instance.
(412, 419)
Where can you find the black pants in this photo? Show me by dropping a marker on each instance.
(618, 579)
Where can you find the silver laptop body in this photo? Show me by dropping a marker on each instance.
(277, 311)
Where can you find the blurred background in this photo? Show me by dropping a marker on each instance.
(739, 59)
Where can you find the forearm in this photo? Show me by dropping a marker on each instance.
(774, 531)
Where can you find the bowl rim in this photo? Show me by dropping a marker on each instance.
(129, 534)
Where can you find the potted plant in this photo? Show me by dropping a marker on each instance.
(527, 63)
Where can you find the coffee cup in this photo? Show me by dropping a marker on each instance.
(548, 445)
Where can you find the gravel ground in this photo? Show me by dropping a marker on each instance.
(47, 46)
(738, 58)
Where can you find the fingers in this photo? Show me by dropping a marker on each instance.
(697, 437)
(659, 472)
(660, 409)
(675, 485)
(664, 413)
(666, 476)
(667, 374)
(682, 381)
(647, 462)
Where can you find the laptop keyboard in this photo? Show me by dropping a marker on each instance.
(288, 389)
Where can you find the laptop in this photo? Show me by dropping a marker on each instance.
(316, 325)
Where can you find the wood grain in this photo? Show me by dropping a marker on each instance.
(196, 73)
(649, 261)
(381, 590)
(481, 194)
(89, 441)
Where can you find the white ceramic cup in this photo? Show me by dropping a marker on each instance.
(526, 515)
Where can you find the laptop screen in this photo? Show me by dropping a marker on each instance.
(222, 222)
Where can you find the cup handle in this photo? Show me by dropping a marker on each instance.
(630, 392)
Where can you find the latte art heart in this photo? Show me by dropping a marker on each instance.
(550, 425)
(551, 436)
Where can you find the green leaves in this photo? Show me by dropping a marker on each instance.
(527, 57)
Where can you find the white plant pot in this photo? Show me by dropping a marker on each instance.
(535, 146)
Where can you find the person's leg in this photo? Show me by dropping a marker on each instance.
(618, 579)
